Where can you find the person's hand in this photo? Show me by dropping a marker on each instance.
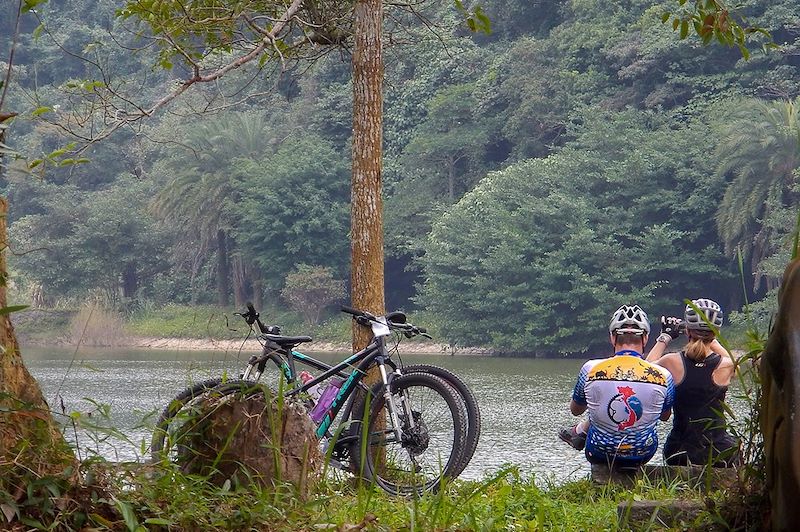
(671, 328)
(671, 325)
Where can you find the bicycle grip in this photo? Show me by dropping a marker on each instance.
(251, 315)
(351, 311)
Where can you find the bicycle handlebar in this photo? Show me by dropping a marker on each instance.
(251, 317)
(363, 318)
(357, 313)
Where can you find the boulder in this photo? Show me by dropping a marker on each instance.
(252, 437)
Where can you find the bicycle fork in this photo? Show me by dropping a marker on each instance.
(389, 401)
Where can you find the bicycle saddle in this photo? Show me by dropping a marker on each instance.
(287, 341)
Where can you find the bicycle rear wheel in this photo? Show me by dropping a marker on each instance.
(433, 435)
(183, 415)
(469, 404)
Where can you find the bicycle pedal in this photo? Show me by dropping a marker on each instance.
(336, 464)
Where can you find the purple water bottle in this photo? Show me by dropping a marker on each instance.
(325, 400)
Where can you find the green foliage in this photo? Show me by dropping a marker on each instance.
(272, 175)
(294, 209)
(477, 21)
(536, 257)
(713, 19)
(310, 289)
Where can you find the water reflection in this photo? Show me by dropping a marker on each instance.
(523, 401)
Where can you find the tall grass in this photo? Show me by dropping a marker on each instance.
(94, 325)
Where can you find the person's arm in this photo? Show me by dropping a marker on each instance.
(673, 363)
(576, 408)
(657, 351)
(577, 404)
(718, 348)
(670, 330)
(669, 397)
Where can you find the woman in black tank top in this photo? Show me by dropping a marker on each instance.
(701, 372)
(698, 433)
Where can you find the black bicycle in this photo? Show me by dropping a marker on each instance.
(417, 425)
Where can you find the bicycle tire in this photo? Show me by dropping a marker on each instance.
(179, 414)
(470, 403)
(428, 453)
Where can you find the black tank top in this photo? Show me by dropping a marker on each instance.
(698, 405)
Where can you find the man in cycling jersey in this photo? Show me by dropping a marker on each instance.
(624, 395)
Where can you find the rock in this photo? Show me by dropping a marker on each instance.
(718, 478)
(252, 437)
(657, 515)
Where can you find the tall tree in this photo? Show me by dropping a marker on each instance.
(760, 150)
(29, 435)
(200, 194)
(366, 219)
(449, 139)
(294, 209)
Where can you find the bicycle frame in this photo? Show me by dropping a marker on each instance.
(284, 359)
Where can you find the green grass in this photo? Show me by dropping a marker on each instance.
(162, 499)
(176, 321)
(179, 321)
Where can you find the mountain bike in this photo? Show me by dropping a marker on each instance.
(406, 433)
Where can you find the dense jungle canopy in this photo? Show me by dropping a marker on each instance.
(579, 157)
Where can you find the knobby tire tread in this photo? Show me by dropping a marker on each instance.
(473, 411)
(459, 422)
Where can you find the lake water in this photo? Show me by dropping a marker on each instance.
(523, 402)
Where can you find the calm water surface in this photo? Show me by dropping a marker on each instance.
(523, 401)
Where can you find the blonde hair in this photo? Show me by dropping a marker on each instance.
(698, 348)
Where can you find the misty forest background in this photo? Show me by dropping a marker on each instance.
(579, 157)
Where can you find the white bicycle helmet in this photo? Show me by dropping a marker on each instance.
(695, 322)
(630, 319)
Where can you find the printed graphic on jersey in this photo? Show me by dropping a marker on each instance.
(625, 408)
(626, 368)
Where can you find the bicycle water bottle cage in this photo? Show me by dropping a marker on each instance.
(287, 342)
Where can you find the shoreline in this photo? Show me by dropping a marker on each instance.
(252, 345)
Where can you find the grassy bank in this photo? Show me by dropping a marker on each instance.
(201, 327)
(138, 500)
(91, 325)
(95, 326)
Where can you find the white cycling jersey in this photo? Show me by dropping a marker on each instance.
(625, 397)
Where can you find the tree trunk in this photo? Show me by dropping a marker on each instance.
(30, 439)
(223, 270)
(780, 378)
(130, 281)
(240, 281)
(258, 288)
(451, 180)
(366, 215)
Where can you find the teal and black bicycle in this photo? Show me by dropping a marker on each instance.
(415, 427)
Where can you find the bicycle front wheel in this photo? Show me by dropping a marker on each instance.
(432, 436)
(469, 405)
